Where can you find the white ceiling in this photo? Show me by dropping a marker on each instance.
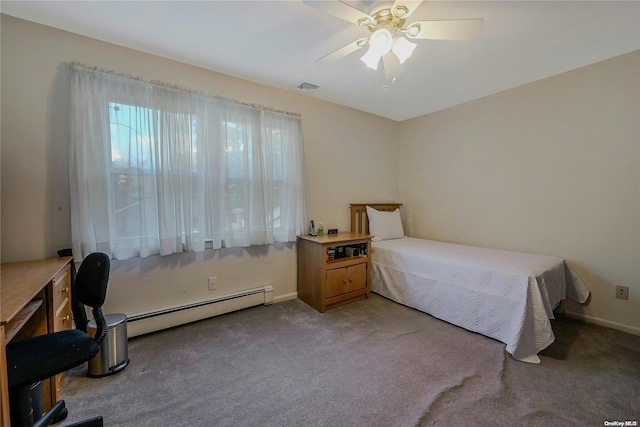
(277, 42)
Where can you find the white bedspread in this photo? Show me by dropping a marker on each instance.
(508, 296)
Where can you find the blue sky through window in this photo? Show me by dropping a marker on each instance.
(130, 141)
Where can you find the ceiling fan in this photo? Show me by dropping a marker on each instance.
(390, 36)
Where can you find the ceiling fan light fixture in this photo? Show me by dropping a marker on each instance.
(381, 41)
(403, 49)
(371, 58)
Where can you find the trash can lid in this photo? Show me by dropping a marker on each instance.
(112, 320)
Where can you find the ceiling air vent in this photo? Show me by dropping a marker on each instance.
(307, 86)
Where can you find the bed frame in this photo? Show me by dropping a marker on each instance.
(359, 220)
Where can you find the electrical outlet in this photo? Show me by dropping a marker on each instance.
(212, 283)
(622, 292)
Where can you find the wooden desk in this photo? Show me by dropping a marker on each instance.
(35, 299)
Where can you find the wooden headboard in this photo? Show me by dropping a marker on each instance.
(359, 221)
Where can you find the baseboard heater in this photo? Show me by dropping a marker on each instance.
(156, 320)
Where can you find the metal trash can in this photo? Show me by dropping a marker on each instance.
(113, 356)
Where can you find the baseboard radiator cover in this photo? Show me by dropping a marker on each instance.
(169, 317)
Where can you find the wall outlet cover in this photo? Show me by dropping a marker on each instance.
(622, 292)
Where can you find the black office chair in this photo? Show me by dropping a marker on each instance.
(44, 356)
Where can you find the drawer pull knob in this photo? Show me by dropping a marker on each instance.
(65, 318)
(65, 289)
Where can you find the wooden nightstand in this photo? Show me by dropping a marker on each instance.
(325, 283)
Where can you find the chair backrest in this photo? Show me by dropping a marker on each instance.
(91, 288)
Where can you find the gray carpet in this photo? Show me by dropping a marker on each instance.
(369, 363)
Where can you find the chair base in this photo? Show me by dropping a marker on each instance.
(91, 422)
(26, 406)
(58, 412)
(21, 407)
(23, 415)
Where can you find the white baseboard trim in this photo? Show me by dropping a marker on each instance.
(603, 322)
(168, 317)
(285, 297)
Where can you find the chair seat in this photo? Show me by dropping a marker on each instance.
(44, 356)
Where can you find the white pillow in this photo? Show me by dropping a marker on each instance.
(384, 225)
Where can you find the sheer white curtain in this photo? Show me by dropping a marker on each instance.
(160, 170)
(284, 164)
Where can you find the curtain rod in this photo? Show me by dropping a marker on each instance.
(177, 88)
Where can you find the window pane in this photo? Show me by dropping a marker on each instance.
(129, 126)
(238, 158)
(134, 161)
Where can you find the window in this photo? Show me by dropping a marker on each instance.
(159, 170)
(240, 177)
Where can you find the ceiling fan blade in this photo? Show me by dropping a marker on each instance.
(404, 8)
(455, 29)
(342, 11)
(343, 51)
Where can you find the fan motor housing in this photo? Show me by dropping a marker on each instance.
(386, 17)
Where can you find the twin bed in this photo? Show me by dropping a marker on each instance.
(505, 295)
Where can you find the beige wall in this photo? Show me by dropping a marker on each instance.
(552, 167)
(35, 184)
